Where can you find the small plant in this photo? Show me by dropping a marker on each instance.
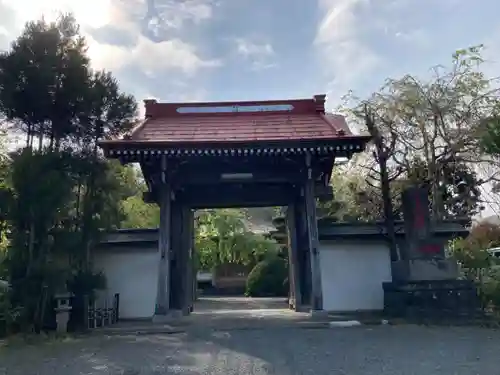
(9, 315)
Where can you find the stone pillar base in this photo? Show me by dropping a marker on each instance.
(431, 300)
(318, 314)
(170, 316)
(424, 269)
(62, 318)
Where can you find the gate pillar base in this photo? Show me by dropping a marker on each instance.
(318, 314)
(170, 316)
(432, 300)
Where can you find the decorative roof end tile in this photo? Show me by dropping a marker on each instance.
(149, 105)
(319, 101)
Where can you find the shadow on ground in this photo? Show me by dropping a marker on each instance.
(388, 350)
(269, 342)
(220, 313)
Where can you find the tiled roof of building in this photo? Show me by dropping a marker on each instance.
(296, 120)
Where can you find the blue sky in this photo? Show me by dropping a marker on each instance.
(208, 50)
(214, 50)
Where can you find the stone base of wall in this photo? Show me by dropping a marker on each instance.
(431, 300)
(424, 269)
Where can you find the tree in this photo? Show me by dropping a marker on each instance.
(458, 187)
(41, 80)
(382, 153)
(222, 237)
(490, 139)
(437, 124)
(106, 111)
(40, 187)
(47, 89)
(137, 213)
(355, 199)
(60, 196)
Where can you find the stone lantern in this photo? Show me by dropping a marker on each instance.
(62, 309)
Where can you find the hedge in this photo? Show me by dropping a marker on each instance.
(269, 278)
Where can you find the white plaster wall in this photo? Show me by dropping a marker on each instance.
(132, 272)
(352, 274)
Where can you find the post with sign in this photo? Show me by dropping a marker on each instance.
(423, 254)
(425, 282)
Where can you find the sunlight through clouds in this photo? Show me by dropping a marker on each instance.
(225, 48)
(142, 37)
(90, 13)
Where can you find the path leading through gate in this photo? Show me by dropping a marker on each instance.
(221, 314)
(239, 305)
(243, 312)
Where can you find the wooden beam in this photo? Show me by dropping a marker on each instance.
(225, 196)
(209, 178)
(204, 170)
(270, 171)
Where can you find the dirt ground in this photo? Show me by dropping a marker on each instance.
(266, 348)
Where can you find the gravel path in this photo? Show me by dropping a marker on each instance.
(378, 350)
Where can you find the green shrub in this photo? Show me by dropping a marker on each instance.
(269, 278)
(489, 290)
(479, 266)
(9, 315)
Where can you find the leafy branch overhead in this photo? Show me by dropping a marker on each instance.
(438, 132)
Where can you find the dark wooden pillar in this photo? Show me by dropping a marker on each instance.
(194, 266)
(188, 227)
(312, 237)
(295, 294)
(303, 255)
(176, 261)
(162, 305)
(181, 295)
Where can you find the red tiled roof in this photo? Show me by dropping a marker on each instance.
(197, 122)
(258, 127)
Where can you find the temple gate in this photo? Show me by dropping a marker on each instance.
(239, 154)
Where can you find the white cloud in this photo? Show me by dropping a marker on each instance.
(346, 58)
(417, 37)
(151, 57)
(175, 13)
(90, 13)
(124, 15)
(260, 55)
(247, 48)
